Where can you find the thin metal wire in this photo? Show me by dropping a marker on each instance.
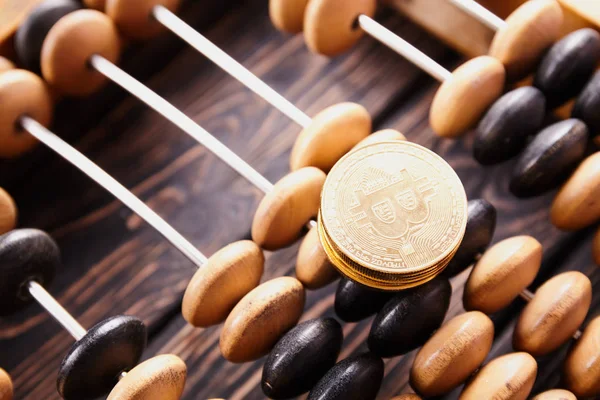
(61, 315)
(402, 47)
(181, 120)
(109, 183)
(227, 63)
(480, 13)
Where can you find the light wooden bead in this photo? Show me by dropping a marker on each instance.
(8, 212)
(582, 366)
(332, 133)
(463, 98)
(6, 386)
(453, 353)
(159, 378)
(95, 4)
(135, 19)
(554, 315)
(21, 93)
(224, 280)
(288, 15)
(555, 394)
(508, 377)
(384, 135)
(261, 318)
(283, 213)
(503, 272)
(6, 64)
(529, 31)
(408, 396)
(576, 206)
(70, 44)
(313, 267)
(330, 26)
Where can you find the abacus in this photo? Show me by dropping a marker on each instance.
(262, 312)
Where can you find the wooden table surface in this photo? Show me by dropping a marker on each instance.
(116, 264)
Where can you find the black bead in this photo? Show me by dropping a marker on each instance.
(504, 129)
(301, 358)
(354, 302)
(567, 67)
(550, 158)
(409, 319)
(355, 378)
(25, 255)
(481, 224)
(587, 105)
(31, 34)
(94, 363)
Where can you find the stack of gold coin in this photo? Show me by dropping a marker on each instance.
(392, 215)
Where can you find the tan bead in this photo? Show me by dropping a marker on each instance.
(6, 386)
(332, 133)
(288, 15)
(408, 396)
(224, 280)
(134, 17)
(554, 315)
(463, 98)
(6, 64)
(95, 4)
(555, 394)
(330, 26)
(508, 377)
(385, 135)
(453, 353)
(582, 366)
(313, 267)
(159, 378)
(8, 212)
(70, 44)
(261, 318)
(576, 206)
(529, 31)
(504, 271)
(21, 93)
(283, 213)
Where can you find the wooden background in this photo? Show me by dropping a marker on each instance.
(114, 263)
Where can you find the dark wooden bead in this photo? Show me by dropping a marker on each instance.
(94, 363)
(588, 104)
(354, 378)
(567, 67)
(503, 131)
(550, 158)
(301, 358)
(354, 302)
(409, 319)
(481, 224)
(25, 255)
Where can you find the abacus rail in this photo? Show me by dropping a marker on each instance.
(481, 13)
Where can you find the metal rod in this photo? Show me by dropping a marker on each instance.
(181, 120)
(61, 315)
(70, 154)
(228, 64)
(480, 13)
(402, 47)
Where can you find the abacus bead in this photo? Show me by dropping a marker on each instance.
(25, 254)
(463, 98)
(567, 67)
(384, 135)
(582, 366)
(508, 377)
(355, 302)
(6, 386)
(575, 206)
(21, 93)
(134, 17)
(159, 378)
(503, 272)
(283, 213)
(95, 4)
(258, 321)
(313, 267)
(301, 358)
(354, 378)
(550, 158)
(330, 25)
(288, 15)
(32, 32)
(587, 105)
(8, 212)
(596, 247)
(453, 353)
(409, 319)
(481, 224)
(503, 131)
(528, 32)
(6, 65)
(555, 394)
(70, 44)
(552, 317)
(224, 280)
(93, 364)
(332, 133)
